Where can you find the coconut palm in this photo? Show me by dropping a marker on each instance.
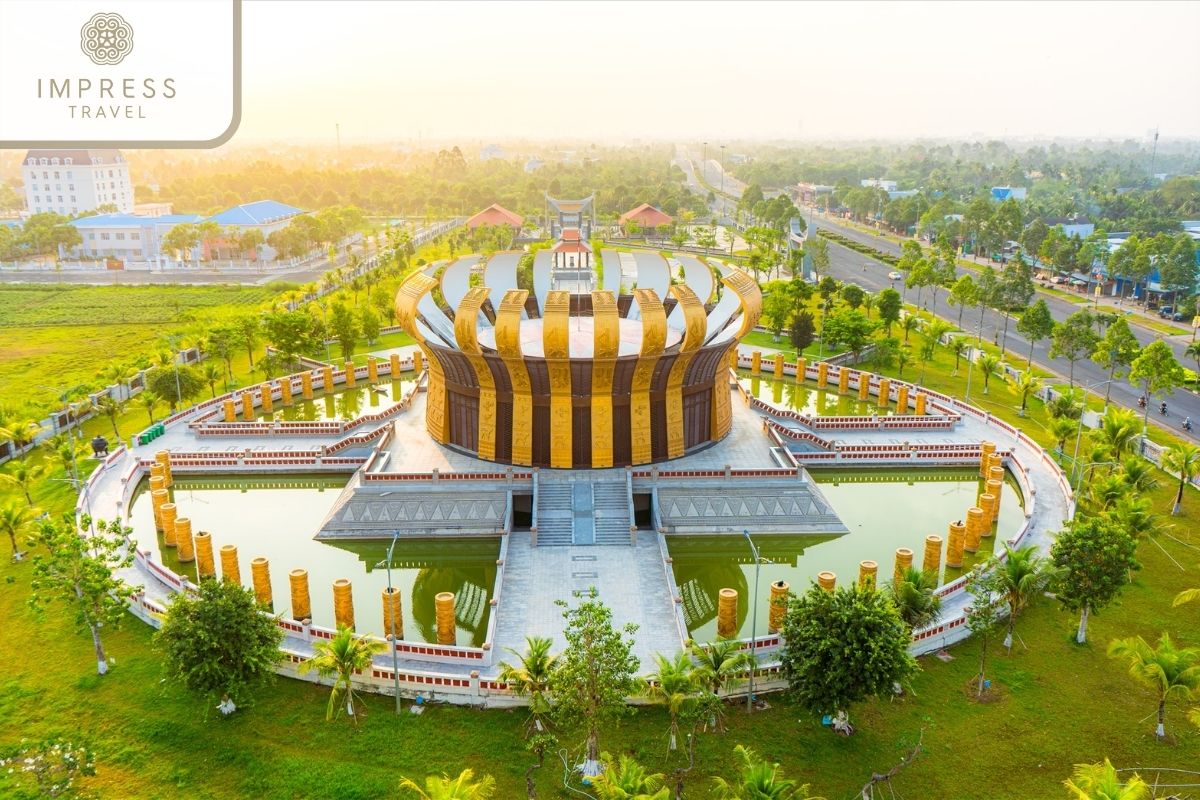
(1105, 491)
(989, 365)
(1134, 515)
(1186, 596)
(1139, 474)
(1025, 384)
(463, 787)
(910, 324)
(1101, 782)
(113, 409)
(16, 521)
(1066, 403)
(20, 432)
(532, 677)
(210, 373)
(23, 476)
(717, 666)
(341, 657)
(672, 685)
(629, 780)
(1184, 460)
(1120, 431)
(758, 781)
(915, 596)
(1169, 671)
(959, 347)
(149, 401)
(1019, 578)
(1061, 429)
(1193, 351)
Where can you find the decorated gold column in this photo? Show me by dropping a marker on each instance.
(418, 359)
(868, 574)
(168, 512)
(306, 385)
(260, 574)
(974, 534)
(248, 406)
(843, 380)
(994, 487)
(556, 345)
(183, 540)
(606, 340)
(985, 450)
(301, 602)
(392, 612)
(750, 297)
(343, 604)
(822, 374)
(932, 563)
(654, 338)
(694, 321)
(777, 367)
(727, 603)
(508, 344)
(157, 500)
(204, 555)
(902, 399)
(954, 544)
(230, 572)
(447, 629)
(987, 502)
(885, 390)
(348, 370)
(827, 580)
(437, 421)
(327, 378)
(230, 409)
(995, 474)
(394, 363)
(801, 369)
(285, 391)
(779, 603)
(466, 327)
(756, 363)
(372, 370)
(163, 458)
(920, 409)
(267, 400)
(904, 560)
(994, 460)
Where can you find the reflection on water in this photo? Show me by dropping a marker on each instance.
(884, 509)
(276, 517)
(343, 404)
(806, 398)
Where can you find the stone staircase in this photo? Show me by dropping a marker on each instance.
(582, 513)
(555, 523)
(612, 513)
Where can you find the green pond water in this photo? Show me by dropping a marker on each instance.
(276, 516)
(884, 509)
(806, 398)
(343, 404)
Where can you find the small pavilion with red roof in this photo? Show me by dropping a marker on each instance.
(571, 251)
(647, 216)
(496, 214)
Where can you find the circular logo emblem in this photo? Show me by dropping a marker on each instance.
(106, 39)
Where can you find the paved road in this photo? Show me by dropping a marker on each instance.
(846, 264)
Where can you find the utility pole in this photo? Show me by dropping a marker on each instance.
(1153, 153)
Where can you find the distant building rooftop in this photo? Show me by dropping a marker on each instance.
(260, 212)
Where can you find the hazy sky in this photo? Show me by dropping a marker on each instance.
(623, 70)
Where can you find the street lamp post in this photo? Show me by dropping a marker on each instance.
(753, 623)
(395, 657)
(1079, 429)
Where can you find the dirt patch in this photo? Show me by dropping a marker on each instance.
(994, 693)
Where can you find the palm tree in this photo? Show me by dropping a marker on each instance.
(118, 373)
(1184, 460)
(149, 401)
(464, 787)
(1067, 403)
(869, 302)
(915, 596)
(958, 346)
(718, 665)
(341, 657)
(113, 409)
(1061, 429)
(672, 685)
(23, 476)
(532, 677)
(1193, 351)
(1105, 491)
(1101, 782)
(758, 781)
(628, 780)
(20, 432)
(903, 357)
(16, 521)
(1026, 383)
(1139, 474)
(910, 324)
(1020, 577)
(1134, 515)
(1167, 670)
(1120, 431)
(211, 372)
(989, 365)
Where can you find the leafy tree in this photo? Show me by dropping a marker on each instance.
(672, 685)
(1156, 370)
(1033, 236)
(1035, 324)
(803, 331)
(1026, 383)
(16, 522)
(341, 657)
(1116, 352)
(777, 307)
(962, 294)
(889, 305)
(824, 675)
(596, 671)
(78, 567)
(853, 294)
(249, 333)
(818, 253)
(903, 357)
(218, 643)
(224, 341)
(344, 328)
(176, 384)
(1101, 782)
(368, 320)
(629, 780)
(294, 334)
(1093, 558)
(983, 616)
(987, 289)
(850, 329)
(532, 677)
(24, 477)
(462, 787)
(1073, 339)
(1183, 459)
(758, 780)
(1169, 671)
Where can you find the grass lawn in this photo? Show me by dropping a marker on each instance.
(767, 341)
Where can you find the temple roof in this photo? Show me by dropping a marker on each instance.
(570, 206)
(496, 214)
(646, 215)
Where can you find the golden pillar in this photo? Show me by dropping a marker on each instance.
(327, 379)
(418, 359)
(822, 374)
(163, 458)
(868, 574)
(466, 327)
(779, 604)
(987, 502)
(904, 560)
(933, 555)
(301, 602)
(756, 363)
(827, 580)
(372, 370)
(995, 474)
(437, 421)
(268, 401)
(727, 603)
(392, 613)
(351, 379)
(306, 385)
(556, 344)
(801, 369)
(394, 363)
(954, 544)
(985, 450)
(158, 499)
(606, 339)
(902, 399)
(285, 391)
(974, 534)
(260, 574)
(864, 387)
(204, 555)
(248, 406)
(508, 344)
(993, 460)
(230, 410)
(843, 380)
(994, 488)
(920, 410)
(168, 512)
(654, 338)
(230, 572)
(183, 540)
(447, 628)
(750, 297)
(694, 323)
(778, 365)
(343, 604)
(885, 391)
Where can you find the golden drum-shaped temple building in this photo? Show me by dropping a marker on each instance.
(571, 377)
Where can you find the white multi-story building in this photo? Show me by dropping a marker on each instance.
(73, 181)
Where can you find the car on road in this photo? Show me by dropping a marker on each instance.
(1169, 312)
(895, 275)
